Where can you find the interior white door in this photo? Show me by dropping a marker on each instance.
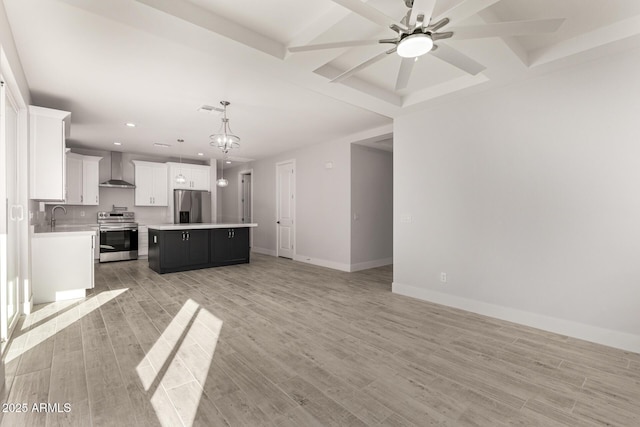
(12, 215)
(285, 193)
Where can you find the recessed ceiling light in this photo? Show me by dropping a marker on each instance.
(228, 162)
(157, 144)
(129, 124)
(200, 154)
(117, 143)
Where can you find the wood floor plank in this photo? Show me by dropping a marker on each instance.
(26, 390)
(278, 342)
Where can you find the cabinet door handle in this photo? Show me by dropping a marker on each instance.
(188, 235)
(96, 199)
(229, 234)
(81, 198)
(233, 233)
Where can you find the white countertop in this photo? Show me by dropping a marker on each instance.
(197, 226)
(62, 231)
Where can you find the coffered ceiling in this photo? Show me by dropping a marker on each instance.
(154, 62)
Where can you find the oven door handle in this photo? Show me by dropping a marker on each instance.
(117, 228)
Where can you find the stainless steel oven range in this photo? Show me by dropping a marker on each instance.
(118, 236)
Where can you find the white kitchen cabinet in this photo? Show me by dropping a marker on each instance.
(91, 180)
(151, 184)
(200, 178)
(82, 180)
(48, 130)
(62, 265)
(143, 241)
(74, 179)
(197, 176)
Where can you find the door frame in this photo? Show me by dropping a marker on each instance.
(241, 174)
(10, 94)
(295, 199)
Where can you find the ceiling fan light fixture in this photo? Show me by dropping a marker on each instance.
(415, 45)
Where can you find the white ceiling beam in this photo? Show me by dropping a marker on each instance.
(600, 37)
(331, 72)
(512, 43)
(417, 100)
(320, 26)
(161, 24)
(210, 21)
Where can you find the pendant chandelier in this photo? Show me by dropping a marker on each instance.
(180, 178)
(222, 182)
(225, 140)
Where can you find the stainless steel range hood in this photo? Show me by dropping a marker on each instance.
(116, 180)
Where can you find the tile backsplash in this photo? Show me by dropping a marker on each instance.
(108, 197)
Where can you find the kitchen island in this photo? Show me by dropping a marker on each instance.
(182, 247)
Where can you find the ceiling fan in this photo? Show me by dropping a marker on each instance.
(419, 31)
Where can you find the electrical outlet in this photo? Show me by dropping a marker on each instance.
(81, 213)
(443, 277)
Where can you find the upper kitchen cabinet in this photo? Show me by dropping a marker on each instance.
(151, 184)
(82, 180)
(197, 176)
(73, 195)
(90, 180)
(48, 130)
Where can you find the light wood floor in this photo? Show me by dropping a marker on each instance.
(278, 342)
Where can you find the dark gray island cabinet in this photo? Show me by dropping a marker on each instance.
(182, 247)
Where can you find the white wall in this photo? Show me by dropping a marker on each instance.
(371, 207)
(322, 204)
(528, 197)
(228, 196)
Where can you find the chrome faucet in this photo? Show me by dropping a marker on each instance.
(53, 215)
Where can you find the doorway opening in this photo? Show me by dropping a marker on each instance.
(245, 200)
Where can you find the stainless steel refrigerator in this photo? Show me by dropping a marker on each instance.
(191, 206)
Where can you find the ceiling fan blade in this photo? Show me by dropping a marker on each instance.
(422, 7)
(504, 29)
(406, 67)
(457, 59)
(362, 66)
(336, 45)
(366, 11)
(465, 9)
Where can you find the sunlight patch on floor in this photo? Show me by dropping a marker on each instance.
(179, 360)
(55, 317)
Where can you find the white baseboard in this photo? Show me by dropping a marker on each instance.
(371, 264)
(263, 251)
(611, 338)
(322, 263)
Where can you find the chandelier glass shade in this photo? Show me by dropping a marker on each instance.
(180, 178)
(225, 140)
(222, 182)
